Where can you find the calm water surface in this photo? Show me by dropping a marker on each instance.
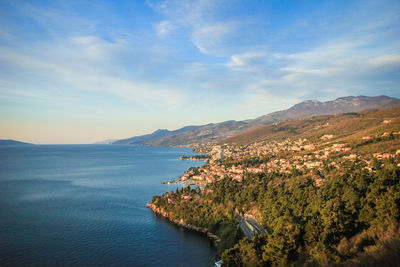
(63, 205)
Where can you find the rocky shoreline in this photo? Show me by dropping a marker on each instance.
(215, 239)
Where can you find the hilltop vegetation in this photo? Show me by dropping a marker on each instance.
(326, 191)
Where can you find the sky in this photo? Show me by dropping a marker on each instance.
(76, 72)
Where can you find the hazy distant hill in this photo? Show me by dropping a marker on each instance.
(10, 142)
(214, 132)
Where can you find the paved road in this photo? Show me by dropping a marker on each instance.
(249, 227)
(256, 226)
(244, 227)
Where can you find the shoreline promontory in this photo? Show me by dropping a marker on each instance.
(214, 238)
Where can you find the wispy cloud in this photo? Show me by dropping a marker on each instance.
(200, 21)
(75, 62)
(211, 38)
(88, 67)
(244, 59)
(354, 62)
(164, 27)
(386, 60)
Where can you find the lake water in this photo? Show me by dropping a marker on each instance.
(63, 205)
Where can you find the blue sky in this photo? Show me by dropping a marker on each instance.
(84, 71)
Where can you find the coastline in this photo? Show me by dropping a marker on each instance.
(117, 212)
(187, 181)
(214, 238)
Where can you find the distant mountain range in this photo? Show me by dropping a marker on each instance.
(10, 142)
(215, 132)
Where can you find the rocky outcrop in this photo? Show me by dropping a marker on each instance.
(214, 238)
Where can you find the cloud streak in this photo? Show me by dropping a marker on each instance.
(82, 63)
(244, 59)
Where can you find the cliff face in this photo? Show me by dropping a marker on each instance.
(215, 239)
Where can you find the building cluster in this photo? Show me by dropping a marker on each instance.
(283, 156)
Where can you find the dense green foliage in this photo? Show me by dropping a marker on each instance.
(188, 206)
(310, 225)
(304, 224)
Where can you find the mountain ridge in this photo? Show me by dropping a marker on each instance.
(333, 126)
(215, 132)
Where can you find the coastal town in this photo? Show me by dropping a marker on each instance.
(286, 156)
